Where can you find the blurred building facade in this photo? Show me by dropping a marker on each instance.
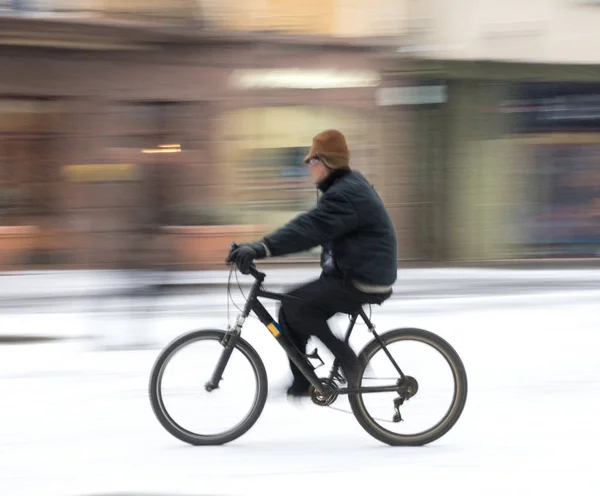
(510, 158)
(135, 133)
(160, 131)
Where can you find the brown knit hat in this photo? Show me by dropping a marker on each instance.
(332, 147)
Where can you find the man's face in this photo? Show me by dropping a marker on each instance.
(317, 169)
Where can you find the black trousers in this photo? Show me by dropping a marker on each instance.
(307, 316)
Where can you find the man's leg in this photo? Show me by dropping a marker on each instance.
(300, 341)
(290, 319)
(317, 302)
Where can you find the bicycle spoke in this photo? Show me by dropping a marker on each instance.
(427, 401)
(194, 410)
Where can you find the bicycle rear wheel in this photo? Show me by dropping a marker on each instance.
(435, 388)
(183, 405)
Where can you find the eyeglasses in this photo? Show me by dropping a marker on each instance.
(314, 161)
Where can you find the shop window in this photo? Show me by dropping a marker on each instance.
(29, 159)
(147, 137)
(559, 127)
(275, 179)
(170, 144)
(261, 151)
(565, 218)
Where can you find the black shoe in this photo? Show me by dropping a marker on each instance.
(349, 369)
(351, 377)
(299, 389)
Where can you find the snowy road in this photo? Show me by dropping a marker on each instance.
(75, 419)
(75, 291)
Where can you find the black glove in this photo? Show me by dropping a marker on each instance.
(243, 255)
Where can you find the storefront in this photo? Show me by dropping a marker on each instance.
(173, 153)
(510, 171)
(558, 128)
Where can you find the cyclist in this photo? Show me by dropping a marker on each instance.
(359, 253)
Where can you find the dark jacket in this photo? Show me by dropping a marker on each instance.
(352, 225)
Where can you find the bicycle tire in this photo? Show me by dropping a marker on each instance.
(215, 439)
(453, 413)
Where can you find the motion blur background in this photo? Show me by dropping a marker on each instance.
(140, 133)
(138, 139)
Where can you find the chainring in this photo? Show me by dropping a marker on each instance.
(326, 399)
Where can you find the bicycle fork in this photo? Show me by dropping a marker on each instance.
(231, 338)
(229, 342)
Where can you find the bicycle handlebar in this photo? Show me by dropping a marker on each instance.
(257, 274)
(254, 272)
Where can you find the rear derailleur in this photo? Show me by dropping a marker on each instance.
(407, 388)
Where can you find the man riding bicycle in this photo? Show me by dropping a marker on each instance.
(359, 257)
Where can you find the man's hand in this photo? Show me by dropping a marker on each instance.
(243, 255)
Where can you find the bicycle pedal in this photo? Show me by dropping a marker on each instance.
(315, 356)
(339, 377)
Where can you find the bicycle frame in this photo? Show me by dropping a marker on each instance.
(298, 358)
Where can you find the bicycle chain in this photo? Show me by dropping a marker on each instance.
(351, 413)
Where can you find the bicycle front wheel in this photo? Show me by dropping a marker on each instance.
(183, 405)
(426, 404)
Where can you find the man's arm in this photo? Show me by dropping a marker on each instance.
(334, 216)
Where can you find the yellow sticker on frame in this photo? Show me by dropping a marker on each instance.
(274, 330)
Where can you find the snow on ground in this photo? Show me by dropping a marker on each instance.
(86, 282)
(76, 420)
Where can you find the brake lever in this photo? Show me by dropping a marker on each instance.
(254, 272)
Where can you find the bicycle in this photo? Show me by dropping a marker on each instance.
(323, 390)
